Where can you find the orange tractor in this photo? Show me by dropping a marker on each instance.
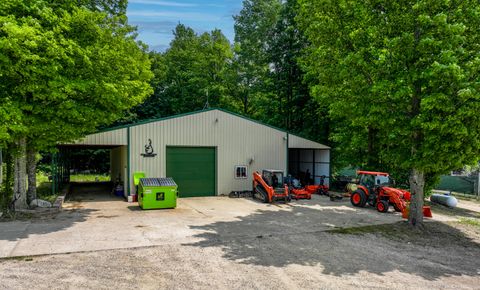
(373, 188)
(299, 192)
(269, 187)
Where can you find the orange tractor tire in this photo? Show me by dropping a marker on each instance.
(382, 205)
(358, 198)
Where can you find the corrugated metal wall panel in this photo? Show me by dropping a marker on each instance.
(299, 142)
(237, 141)
(114, 137)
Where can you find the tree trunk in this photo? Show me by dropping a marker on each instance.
(372, 156)
(31, 173)
(245, 104)
(417, 186)
(20, 180)
(8, 184)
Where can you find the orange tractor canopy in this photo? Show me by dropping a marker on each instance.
(269, 186)
(374, 188)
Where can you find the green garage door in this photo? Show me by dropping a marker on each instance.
(193, 169)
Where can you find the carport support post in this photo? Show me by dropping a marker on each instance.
(287, 161)
(313, 166)
(53, 173)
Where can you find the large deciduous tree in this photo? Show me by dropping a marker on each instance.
(254, 30)
(293, 107)
(192, 70)
(402, 77)
(67, 70)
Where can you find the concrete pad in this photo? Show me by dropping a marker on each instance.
(92, 222)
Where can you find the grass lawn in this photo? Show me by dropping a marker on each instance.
(89, 178)
(44, 188)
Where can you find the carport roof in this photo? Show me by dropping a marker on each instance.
(296, 141)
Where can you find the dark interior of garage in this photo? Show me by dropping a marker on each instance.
(310, 166)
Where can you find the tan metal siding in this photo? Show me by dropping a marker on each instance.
(299, 142)
(114, 137)
(237, 141)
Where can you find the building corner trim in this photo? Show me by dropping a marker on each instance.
(128, 162)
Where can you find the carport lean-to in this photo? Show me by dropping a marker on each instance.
(64, 161)
(208, 152)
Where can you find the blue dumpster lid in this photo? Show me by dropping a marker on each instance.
(157, 182)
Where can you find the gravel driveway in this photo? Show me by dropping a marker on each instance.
(224, 243)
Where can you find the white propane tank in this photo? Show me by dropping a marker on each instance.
(444, 199)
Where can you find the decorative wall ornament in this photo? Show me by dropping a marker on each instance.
(149, 152)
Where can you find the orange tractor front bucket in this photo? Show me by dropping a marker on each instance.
(427, 212)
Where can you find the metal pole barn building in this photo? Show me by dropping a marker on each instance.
(209, 152)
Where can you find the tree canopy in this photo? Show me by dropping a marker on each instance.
(259, 75)
(191, 71)
(401, 78)
(69, 72)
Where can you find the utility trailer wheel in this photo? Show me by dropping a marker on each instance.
(382, 206)
(358, 198)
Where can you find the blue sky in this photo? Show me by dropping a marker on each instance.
(156, 19)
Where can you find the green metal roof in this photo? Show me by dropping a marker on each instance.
(198, 112)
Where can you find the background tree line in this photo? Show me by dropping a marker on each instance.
(258, 75)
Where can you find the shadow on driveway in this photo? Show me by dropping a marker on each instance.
(73, 213)
(278, 239)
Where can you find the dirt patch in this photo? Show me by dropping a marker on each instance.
(433, 234)
(454, 212)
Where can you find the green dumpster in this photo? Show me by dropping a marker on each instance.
(156, 193)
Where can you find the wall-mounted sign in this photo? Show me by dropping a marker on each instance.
(149, 150)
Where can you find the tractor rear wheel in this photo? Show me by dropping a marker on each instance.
(382, 206)
(358, 198)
